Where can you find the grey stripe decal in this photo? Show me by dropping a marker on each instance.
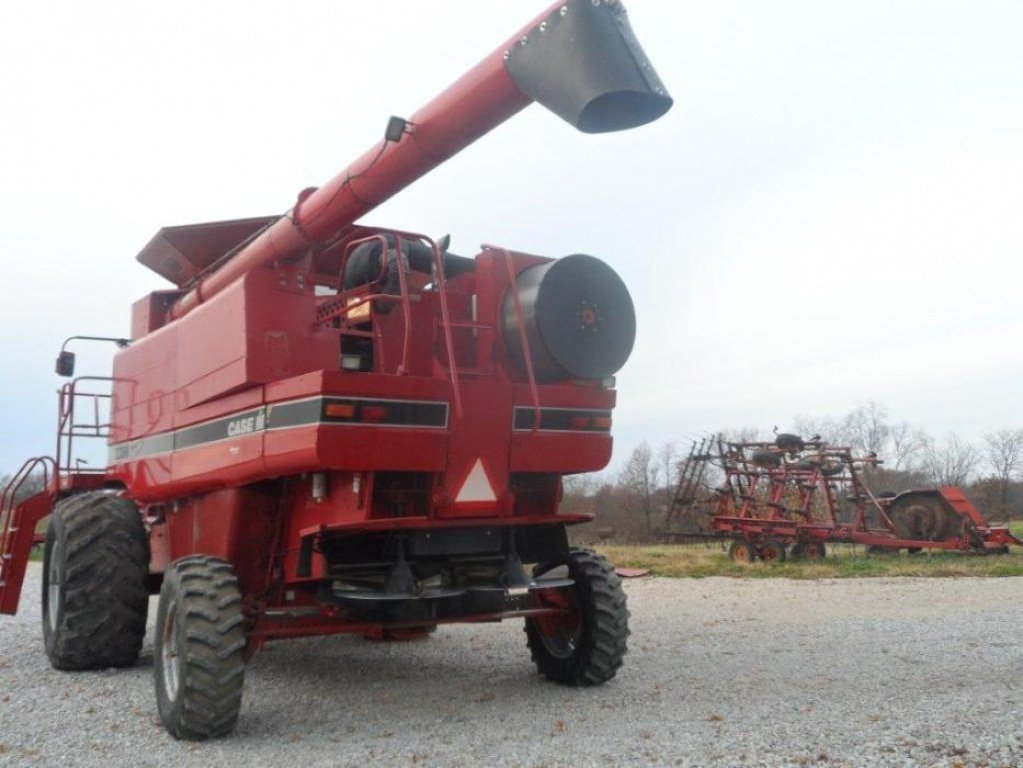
(419, 414)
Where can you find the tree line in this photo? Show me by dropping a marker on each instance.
(632, 504)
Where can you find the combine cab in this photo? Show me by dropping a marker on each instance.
(325, 427)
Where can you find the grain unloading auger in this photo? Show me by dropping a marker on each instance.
(327, 427)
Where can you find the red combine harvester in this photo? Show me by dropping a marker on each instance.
(328, 428)
(793, 497)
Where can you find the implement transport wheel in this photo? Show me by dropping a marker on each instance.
(772, 551)
(791, 443)
(815, 550)
(200, 638)
(765, 458)
(95, 591)
(741, 551)
(585, 644)
(808, 550)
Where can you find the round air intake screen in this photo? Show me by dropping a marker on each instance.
(578, 317)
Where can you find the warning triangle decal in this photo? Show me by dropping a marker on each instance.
(476, 487)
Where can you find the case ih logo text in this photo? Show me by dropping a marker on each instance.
(246, 424)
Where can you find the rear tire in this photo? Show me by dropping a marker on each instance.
(586, 645)
(200, 639)
(95, 582)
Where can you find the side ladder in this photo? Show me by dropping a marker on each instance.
(18, 521)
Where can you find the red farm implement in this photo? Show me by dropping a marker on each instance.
(325, 427)
(793, 497)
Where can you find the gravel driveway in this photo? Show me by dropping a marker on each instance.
(721, 672)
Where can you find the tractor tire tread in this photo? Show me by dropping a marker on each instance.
(106, 597)
(604, 639)
(212, 665)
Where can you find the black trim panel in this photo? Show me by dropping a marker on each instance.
(396, 413)
(419, 414)
(558, 419)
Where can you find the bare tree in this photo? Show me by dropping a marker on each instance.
(952, 463)
(867, 429)
(740, 435)
(1004, 452)
(905, 443)
(668, 456)
(833, 431)
(639, 478)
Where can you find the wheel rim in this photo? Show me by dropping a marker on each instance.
(770, 553)
(53, 596)
(170, 661)
(559, 633)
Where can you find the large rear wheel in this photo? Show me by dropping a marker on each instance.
(585, 643)
(200, 638)
(95, 591)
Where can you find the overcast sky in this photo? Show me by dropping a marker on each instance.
(832, 212)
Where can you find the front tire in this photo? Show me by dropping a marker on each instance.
(587, 643)
(95, 591)
(200, 638)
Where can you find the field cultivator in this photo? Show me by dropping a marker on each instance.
(793, 497)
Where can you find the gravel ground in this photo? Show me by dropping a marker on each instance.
(721, 672)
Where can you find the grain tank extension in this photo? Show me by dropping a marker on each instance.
(325, 427)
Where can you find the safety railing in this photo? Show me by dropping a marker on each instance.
(346, 304)
(527, 356)
(71, 426)
(43, 465)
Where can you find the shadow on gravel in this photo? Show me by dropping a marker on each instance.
(357, 685)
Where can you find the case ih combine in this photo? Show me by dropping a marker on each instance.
(326, 427)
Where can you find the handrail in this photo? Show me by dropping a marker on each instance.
(402, 296)
(341, 308)
(68, 428)
(445, 315)
(523, 339)
(10, 493)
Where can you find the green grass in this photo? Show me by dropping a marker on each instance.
(843, 561)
